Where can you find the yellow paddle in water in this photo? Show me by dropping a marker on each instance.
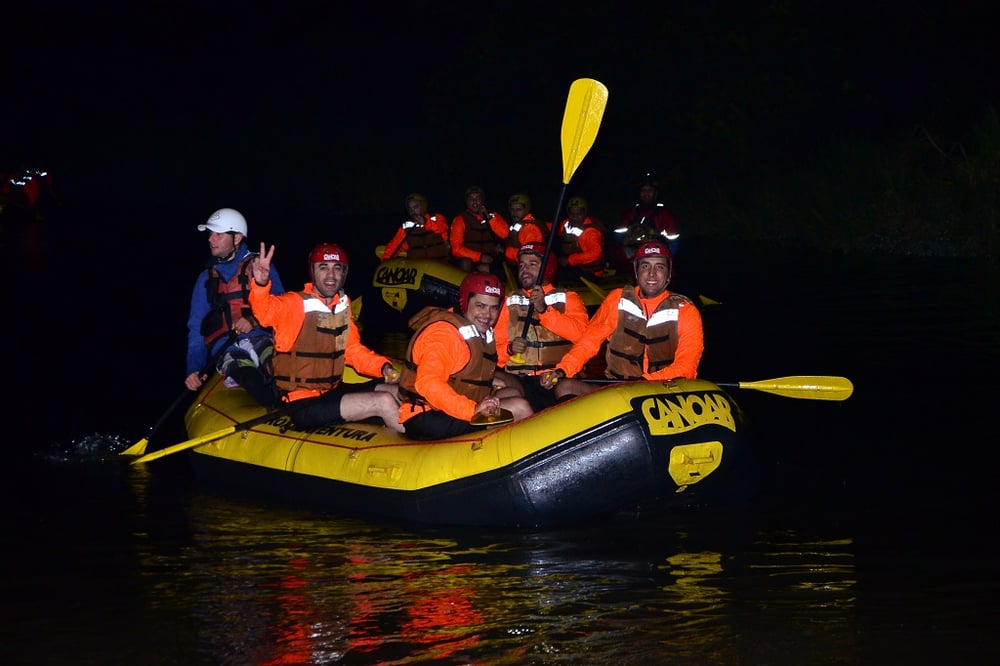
(581, 120)
(205, 439)
(139, 447)
(806, 387)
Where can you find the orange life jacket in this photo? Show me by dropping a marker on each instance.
(545, 348)
(635, 336)
(479, 236)
(228, 301)
(316, 359)
(424, 243)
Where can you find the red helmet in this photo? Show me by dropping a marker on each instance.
(652, 249)
(549, 274)
(327, 252)
(478, 282)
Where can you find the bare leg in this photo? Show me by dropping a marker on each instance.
(360, 406)
(392, 389)
(519, 407)
(571, 387)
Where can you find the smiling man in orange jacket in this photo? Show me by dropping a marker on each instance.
(450, 365)
(314, 339)
(651, 333)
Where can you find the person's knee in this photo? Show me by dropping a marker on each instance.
(519, 407)
(389, 410)
(233, 359)
(387, 401)
(570, 388)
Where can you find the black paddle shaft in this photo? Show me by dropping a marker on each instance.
(545, 258)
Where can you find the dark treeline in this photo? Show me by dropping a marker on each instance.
(845, 125)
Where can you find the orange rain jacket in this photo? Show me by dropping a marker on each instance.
(690, 345)
(285, 313)
(439, 351)
(590, 243)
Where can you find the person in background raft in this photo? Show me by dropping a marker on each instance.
(558, 319)
(582, 243)
(422, 235)
(450, 363)
(221, 324)
(652, 333)
(315, 339)
(647, 220)
(477, 235)
(524, 228)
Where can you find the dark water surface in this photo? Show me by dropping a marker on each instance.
(869, 542)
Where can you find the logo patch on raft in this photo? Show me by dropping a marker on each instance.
(672, 414)
(397, 275)
(284, 424)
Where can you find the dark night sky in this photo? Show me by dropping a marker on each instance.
(315, 105)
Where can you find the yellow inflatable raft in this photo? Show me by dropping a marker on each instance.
(589, 458)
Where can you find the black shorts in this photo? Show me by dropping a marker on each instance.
(435, 424)
(324, 409)
(539, 398)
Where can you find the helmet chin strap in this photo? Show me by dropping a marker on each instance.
(236, 246)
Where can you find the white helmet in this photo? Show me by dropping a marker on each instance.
(223, 220)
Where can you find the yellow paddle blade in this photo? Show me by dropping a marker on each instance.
(705, 301)
(136, 449)
(511, 278)
(356, 308)
(581, 120)
(189, 444)
(807, 386)
(600, 293)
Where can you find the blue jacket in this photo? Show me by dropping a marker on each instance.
(197, 354)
